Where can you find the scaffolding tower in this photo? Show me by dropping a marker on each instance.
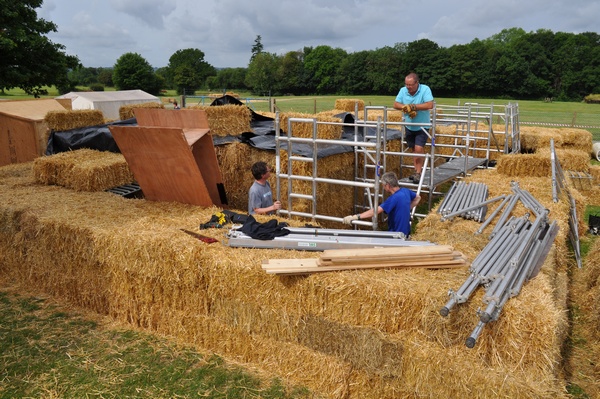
(477, 131)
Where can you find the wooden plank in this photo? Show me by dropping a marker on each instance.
(304, 266)
(162, 163)
(433, 258)
(385, 252)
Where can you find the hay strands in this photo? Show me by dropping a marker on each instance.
(431, 257)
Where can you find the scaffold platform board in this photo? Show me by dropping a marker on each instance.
(310, 239)
(448, 171)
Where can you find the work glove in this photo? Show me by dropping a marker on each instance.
(348, 219)
(410, 109)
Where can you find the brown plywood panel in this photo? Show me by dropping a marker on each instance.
(19, 141)
(206, 159)
(183, 118)
(162, 163)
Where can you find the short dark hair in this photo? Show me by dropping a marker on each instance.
(414, 76)
(259, 169)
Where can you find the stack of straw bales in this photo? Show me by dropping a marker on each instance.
(227, 120)
(586, 287)
(126, 111)
(83, 170)
(355, 334)
(66, 120)
(572, 149)
(534, 137)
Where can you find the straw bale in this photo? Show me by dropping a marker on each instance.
(354, 334)
(227, 120)
(126, 111)
(83, 170)
(595, 172)
(325, 130)
(66, 120)
(534, 138)
(392, 115)
(228, 93)
(539, 164)
(349, 104)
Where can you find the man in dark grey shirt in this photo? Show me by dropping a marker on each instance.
(260, 196)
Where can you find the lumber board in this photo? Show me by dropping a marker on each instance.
(386, 251)
(310, 265)
(407, 258)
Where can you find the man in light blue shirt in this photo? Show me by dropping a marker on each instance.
(415, 100)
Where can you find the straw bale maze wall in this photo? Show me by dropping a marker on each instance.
(353, 334)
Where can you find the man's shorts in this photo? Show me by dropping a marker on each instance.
(418, 137)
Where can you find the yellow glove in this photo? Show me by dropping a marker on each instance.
(410, 109)
(348, 219)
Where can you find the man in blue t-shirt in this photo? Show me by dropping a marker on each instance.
(397, 206)
(415, 100)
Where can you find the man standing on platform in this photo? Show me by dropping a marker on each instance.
(415, 100)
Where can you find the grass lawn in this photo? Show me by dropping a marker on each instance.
(50, 351)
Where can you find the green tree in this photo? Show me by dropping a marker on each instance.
(230, 78)
(322, 64)
(105, 77)
(189, 70)
(257, 47)
(28, 59)
(355, 70)
(291, 72)
(384, 74)
(262, 75)
(132, 71)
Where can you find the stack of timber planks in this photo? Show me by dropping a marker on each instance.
(430, 256)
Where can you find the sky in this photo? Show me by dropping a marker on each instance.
(98, 32)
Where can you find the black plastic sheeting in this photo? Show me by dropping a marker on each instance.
(92, 137)
(262, 135)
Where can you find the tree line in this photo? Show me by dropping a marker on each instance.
(511, 64)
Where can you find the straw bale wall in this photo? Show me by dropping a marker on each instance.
(126, 111)
(534, 138)
(354, 334)
(227, 120)
(83, 170)
(66, 120)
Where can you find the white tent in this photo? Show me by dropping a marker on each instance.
(108, 102)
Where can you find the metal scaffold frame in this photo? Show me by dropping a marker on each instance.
(475, 132)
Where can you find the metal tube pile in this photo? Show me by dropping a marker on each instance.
(467, 200)
(515, 254)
